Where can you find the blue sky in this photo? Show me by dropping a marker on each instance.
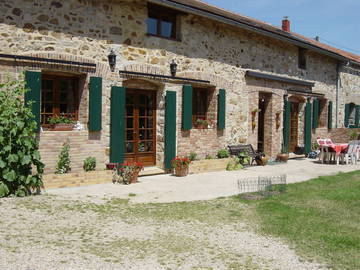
(336, 22)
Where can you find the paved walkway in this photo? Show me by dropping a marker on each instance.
(206, 186)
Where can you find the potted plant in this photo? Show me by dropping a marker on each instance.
(261, 160)
(277, 118)
(253, 119)
(181, 166)
(201, 124)
(283, 156)
(61, 123)
(128, 172)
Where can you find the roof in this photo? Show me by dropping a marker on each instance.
(200, 5)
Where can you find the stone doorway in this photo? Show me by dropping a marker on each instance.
(264, 129)
(140, 126)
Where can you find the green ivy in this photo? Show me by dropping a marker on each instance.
(21, 168)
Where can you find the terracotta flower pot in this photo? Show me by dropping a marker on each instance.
(134, 177)
(283, 157)
(181, 171)
(262, 161)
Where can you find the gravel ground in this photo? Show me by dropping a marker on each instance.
(118, 227)
(48, 232)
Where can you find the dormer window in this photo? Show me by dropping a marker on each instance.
(162, 22)
(302, 58)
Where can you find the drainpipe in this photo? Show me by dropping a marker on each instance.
(338, 68)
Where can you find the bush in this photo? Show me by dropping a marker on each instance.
(209, 157)
(64, 163)
(353, 135)
(89, 164)
(192, 156)
(223, 153)
(21, 168)
(234, 165)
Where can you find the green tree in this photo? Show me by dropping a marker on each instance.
(21, 168)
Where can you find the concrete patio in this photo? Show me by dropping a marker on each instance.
(206, 186)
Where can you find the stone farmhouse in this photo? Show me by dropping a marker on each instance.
(148, 80)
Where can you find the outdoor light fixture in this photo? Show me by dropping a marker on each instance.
(112, 60)
(173, 68)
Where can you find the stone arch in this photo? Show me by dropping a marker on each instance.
(142, 84)
(101, 70)
(215, 80)
(297, 99)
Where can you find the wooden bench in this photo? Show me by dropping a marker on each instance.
(244, 150)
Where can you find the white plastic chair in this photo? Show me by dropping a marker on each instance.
(350, 154)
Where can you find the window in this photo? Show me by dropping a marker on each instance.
(200, 105)
(302, 58)
(352, 112)
(59, 96)
(162, 22)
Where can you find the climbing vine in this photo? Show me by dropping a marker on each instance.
(21, 168)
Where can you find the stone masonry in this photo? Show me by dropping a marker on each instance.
(86, 30)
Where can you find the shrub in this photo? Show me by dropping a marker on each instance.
(223, 153)
(20, 166)
(234, 165)
(89, 164)
(353, 135)
(64, 163)
(209, 157)
(192, 156)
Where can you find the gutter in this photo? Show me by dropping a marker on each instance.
(222, 19)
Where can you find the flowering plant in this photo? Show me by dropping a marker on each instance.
(128, 172)
(180, 162)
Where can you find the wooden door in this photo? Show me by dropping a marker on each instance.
(140, 127)
(294, 127)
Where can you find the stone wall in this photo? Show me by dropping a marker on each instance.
(88, 30)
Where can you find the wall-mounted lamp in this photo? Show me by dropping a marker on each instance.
(173, 68)
(112, 60)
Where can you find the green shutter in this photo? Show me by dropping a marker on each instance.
(187, 107)
(347, 115)
(286, 125)
(307, 135)
(357, 112)
(330, 117)
(315, 122)
(33, 84)
(170, 128)
(95, 103)
(221, 109)
(117, 124)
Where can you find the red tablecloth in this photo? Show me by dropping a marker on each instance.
(339, 147)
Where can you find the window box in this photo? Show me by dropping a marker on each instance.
(62, 127)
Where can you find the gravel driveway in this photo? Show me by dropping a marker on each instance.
(48, 232)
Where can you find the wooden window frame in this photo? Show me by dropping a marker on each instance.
(56, 97)
(197, 92)
(164, 14)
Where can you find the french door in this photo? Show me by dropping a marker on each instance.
(140, 129)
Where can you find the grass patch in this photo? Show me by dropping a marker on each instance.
(320, 217)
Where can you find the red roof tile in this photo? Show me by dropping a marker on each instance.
(197, 4)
